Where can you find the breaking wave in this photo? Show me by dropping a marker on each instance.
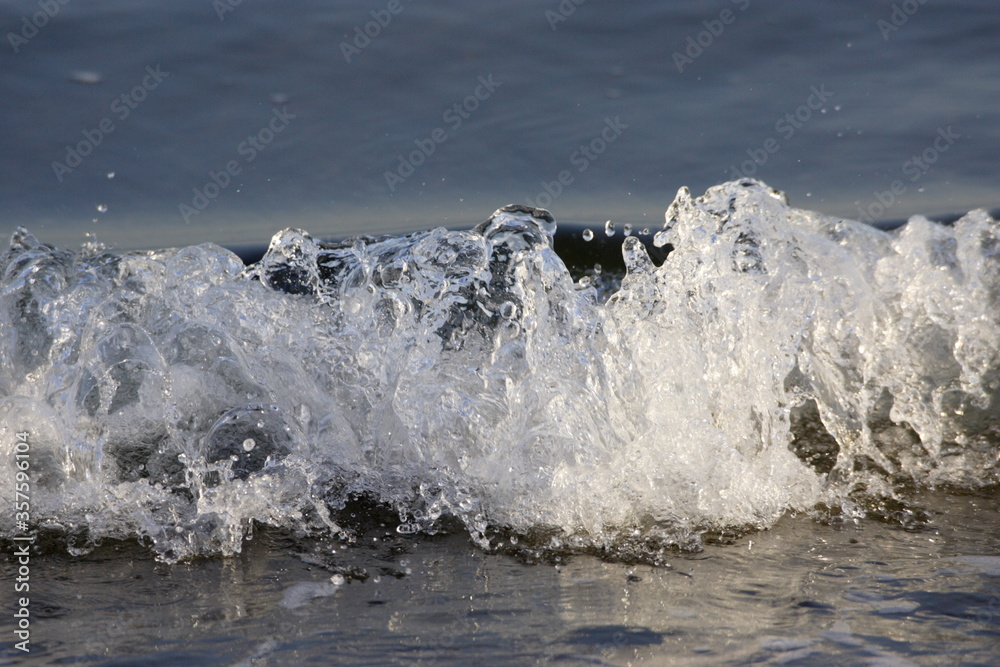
(777, 361)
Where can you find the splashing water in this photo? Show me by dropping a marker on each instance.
(777, 361)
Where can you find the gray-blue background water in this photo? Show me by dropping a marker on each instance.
(594, 110)
(688, 113)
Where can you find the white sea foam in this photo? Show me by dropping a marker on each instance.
(177, 396)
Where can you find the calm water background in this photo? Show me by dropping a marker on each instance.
(801, 592)
(891, 90)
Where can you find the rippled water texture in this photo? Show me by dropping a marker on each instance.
(800, 593)
(778, 361)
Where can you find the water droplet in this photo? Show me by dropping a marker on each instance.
(627, 229)
(645, 231)
(85, 76)
(111, 175)
(102, 208)
(249, 444)
(588, 235)
(609, 228)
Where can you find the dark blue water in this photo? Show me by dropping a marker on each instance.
(741, 102)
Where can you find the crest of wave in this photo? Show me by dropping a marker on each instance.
(891, 339)
(178, 396)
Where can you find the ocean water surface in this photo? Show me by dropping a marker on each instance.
(649, 351)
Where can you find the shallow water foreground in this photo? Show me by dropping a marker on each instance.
(800, 593)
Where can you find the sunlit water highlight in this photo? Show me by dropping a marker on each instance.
(778, 361)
